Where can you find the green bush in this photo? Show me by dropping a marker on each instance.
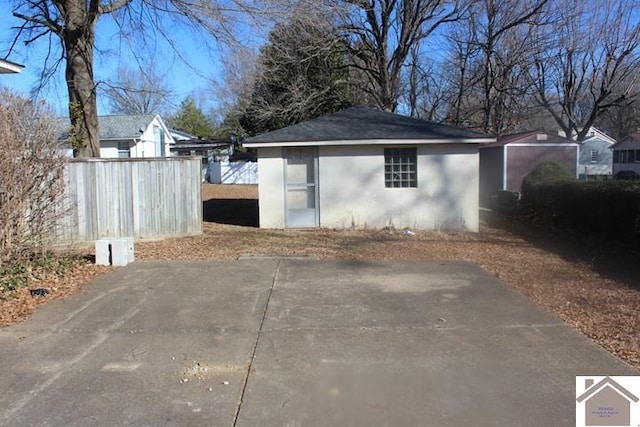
(606, 208)
(548, 172)
(544, 175)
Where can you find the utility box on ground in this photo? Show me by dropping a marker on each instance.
(116, 252)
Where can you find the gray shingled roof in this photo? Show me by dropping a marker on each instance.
(531, 137)
(114, 127)
(629, 142)
(358, 123)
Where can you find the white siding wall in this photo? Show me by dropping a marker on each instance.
(352, 191)
(147, 143)
(271, 187)
(109, 150)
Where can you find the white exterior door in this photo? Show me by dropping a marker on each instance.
(301, 200)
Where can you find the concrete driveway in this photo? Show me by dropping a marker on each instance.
(290, 342)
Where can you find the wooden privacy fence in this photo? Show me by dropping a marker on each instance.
(142, 198)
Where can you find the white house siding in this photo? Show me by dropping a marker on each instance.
(591, 170)
(352, 191)
(602, 165)
(108, 149)
(148, 143)
(270, 188)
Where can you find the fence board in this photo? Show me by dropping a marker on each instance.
(143, 198)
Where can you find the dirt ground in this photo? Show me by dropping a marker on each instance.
(591, 285)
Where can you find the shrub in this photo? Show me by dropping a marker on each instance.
(505, 202)
(545, 173)
(31, 178)
(548, 172)
(606, 208)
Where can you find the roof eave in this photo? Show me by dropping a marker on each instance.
(120, 138)
(370, 142)
(8, 67)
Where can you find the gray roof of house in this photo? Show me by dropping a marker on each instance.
(531, 137)
(358, 123)
(629, 142)
(114, 127)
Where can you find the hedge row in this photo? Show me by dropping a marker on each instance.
(609, 208)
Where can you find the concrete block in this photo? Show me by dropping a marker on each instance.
(103, 252)
(130, 252)
(119, 252)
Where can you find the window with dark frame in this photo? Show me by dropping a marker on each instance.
(123, 149)
(400, 167)
(594, 156)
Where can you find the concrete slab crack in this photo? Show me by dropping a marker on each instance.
(255, 346)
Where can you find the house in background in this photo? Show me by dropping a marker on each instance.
(505, 163)
(8, 67)
(124, 136)
(221, 164)
(626, 154)
(596, 157)
(367, 168)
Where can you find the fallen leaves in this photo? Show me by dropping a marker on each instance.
(59, 285)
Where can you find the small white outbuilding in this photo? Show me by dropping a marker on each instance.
(367, 168)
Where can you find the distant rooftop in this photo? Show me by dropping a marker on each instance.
(629, 142)
(116, 127)
(531, 137)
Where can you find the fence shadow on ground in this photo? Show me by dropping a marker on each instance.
(231, 211)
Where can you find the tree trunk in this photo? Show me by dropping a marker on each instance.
(79, 37)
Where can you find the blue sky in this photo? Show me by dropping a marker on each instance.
(191, 75)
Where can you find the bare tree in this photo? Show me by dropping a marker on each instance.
(382, 34)
(141, 91)
(73, 24)
(504, 49)
(461, 76)
(490, 50)
(588, 62)
(621, 120)
(425, 94)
